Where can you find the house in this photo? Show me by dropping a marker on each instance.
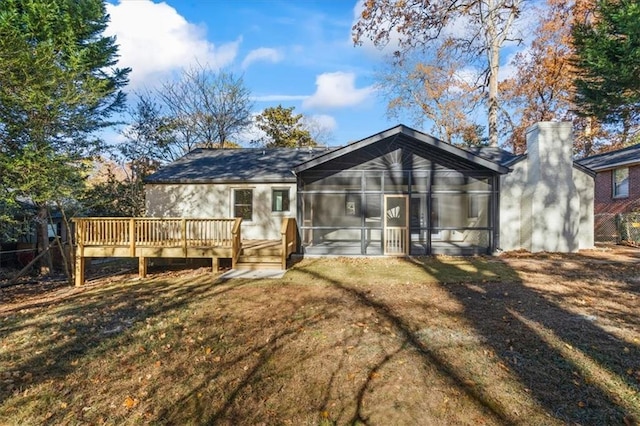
(397, 192)
(617, 188)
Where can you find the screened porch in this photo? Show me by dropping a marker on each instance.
(397, 199)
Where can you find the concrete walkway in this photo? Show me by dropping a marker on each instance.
(253, 274)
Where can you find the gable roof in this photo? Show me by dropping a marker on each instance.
(487, 158)
(208, 165)
(234, 165)
(610, 160)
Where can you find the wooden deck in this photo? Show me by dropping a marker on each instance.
(212, 238)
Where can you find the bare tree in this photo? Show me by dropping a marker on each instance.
(207, 108)
(470, 32)
(320, 132)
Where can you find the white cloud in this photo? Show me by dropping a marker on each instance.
(337, 90)
(266, 54)
(155, 39)
(326, 122)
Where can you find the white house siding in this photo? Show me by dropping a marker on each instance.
(546, 204)
(216, 200)
(585, 185)
(511, 190)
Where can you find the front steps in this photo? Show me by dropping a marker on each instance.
(265, 254)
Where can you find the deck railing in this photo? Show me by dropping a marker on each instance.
(236, 243)
(156, 232)
(289, 235)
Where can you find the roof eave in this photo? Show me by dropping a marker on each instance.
(584, 169)
(612, 166)
(292, 179)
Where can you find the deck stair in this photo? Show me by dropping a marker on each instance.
(260, 254)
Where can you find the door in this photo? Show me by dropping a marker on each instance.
(396, 225)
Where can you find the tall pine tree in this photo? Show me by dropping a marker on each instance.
(608, 60)
(58, 85)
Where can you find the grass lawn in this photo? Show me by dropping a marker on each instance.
(525, 339)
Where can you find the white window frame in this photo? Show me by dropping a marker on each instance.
(620, 184)
(273, 199)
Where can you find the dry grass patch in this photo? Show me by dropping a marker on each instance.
(516, 339)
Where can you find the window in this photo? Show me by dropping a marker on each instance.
(621, 183)
(243, 203)
(280, 200)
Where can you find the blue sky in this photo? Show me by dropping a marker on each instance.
(294, 53)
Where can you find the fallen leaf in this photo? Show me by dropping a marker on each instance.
(129, 402)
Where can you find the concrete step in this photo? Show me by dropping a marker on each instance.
(258, 265)
(259, 259)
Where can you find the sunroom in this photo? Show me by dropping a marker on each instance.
(399, 192)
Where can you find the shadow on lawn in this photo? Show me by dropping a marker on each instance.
(576, 370)
(86, 324)
(262, 344)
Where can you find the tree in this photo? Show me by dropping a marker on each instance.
(542, 86)
(59, 85)
(319, 130)
(608, 61)
(283, 128)
(435, 29)
(207, 108)
(113, 191)
(433, 92)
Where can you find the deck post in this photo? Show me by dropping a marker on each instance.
(132, 237)
(236, 242)
(79, 255)
(79, 272)
(184, 236)
(142, 267)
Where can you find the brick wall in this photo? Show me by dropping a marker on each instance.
(606, 207)
(604, 201)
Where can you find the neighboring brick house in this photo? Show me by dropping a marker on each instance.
(617, 188)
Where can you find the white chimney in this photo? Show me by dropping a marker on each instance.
(550, 207)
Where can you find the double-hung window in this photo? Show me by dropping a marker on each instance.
(621, 182)
(243, 203)
(280, 200)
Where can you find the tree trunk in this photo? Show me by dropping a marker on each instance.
(494, 67)
(42, 233)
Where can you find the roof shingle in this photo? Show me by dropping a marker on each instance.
(235, 165)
